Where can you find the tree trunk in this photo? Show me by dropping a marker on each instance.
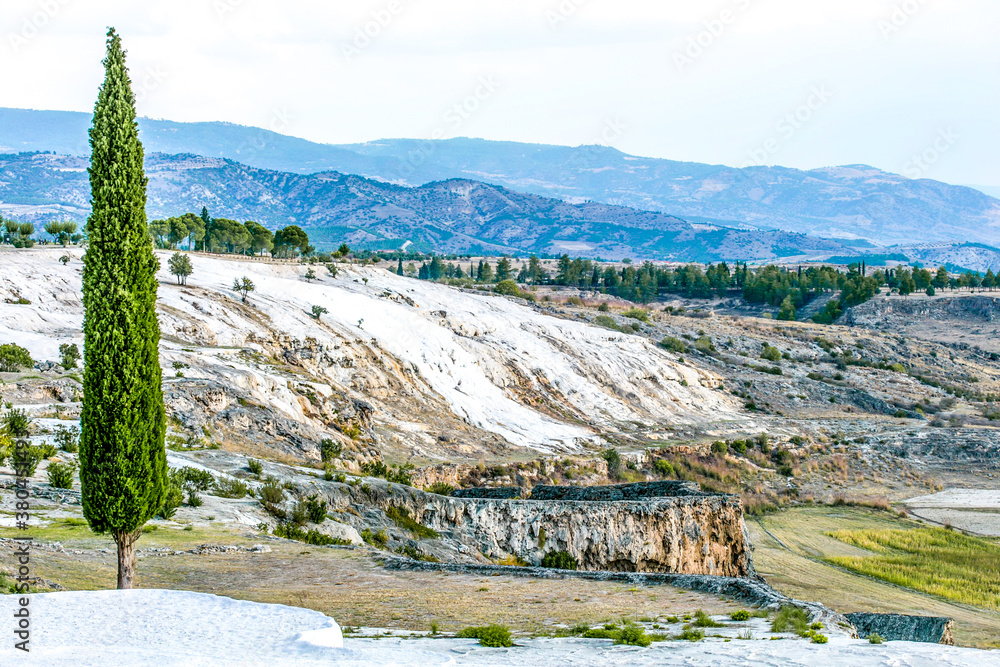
(126, 558)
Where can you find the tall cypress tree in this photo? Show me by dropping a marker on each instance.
(122, 457)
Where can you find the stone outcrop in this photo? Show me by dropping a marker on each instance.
(639, 491)
(897, 627)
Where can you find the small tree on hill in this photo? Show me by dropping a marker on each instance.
(787, 312)
(319, 311)
(70, 354)
(180, 266)
(14, 357)
(243, 286)
(310, 275)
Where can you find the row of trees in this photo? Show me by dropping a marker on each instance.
(222, 235)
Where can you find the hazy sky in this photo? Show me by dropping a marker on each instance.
(802, 83)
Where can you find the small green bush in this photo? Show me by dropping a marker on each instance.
(255, 466)
(194, 478)
(402, 517)
(741, 615)
(68, 439)
(330, 449)
(633, 635)
(636, 314)
(172, 499)
(507, 288)
(14, 357)
(61, 475)
(559, 560)
(790, 619)
(705, 345)
(691, 635)
(25, 460)
(494, 636)
(226, 487)
(664, 467)
(703, 620)
(193, 499)
(817, 638)
(440, 488)
(290, 531)
(271, 493)
(674, 345)
(875, 638)
(603, 308)
(771, 354)
(17, 422)
(377, 540)
(315, 509)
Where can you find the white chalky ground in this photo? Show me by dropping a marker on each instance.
(165, 628)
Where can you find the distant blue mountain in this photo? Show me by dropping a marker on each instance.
(853, 204)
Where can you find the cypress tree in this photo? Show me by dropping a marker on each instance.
(122, 457)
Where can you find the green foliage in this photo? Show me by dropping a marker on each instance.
(14, 357)
(243, 286)
(412, 552)
(440, 488)
(940, 562)
(329, 449)
(705, 345)
(180, 266)
(787, 311)
(772, 354)
(228, 487)
(664, 467)
(61, 475)
(741, 615)
(817, 638)
(255, 466)
(703, 620)
(291, 531)
(637, 314)
(193, 478)
(691, 635)
(559, 560)
(315, 509)
(402, 517)
(377, 540)
(193, 499)
(830, 313)
(123, 466)
(69, 354)
(875, 638)
(172, 499)
(271, 493)
(674, 345)
(614, 460)
(494, 636)
(25, 460)
(633, 634)
(791, 619)
(17, 423)
(402, 474)
(319, 311)
(507, 287)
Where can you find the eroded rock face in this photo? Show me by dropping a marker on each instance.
(690, 535)
(898, 627)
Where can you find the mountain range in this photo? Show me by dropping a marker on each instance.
(503, 195)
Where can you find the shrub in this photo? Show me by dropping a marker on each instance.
(255, 466)
(172, 499)
(703, 620)
(194, 478)
(18, 423)
(329, 449)
(604, 308)
(674, 345)
(875, 638)
(691, 635)
(402, 517)
(193, 499)
(440, 488)
(719, 447)
(607, 322)
(271, 493)
(636, 314)
(600, 633)
(633, 635)
(25, 460)
(664, 467)
(507, 288)
(315, 509)
(61, 475)
(377, 540)
(770, 353)
(790, 619)
(67, 438)
(559, 560)
(494, 636)
(741, 615)
(226, 487)
(14, 357)
(817, 638)
(46, 449)
(70, 354)
(614, 460)
(705, 345)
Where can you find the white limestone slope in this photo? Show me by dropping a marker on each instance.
(489, 358)
(166, 628)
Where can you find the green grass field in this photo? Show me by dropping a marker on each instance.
(933, 560)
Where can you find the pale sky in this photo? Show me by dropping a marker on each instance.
(872, 81)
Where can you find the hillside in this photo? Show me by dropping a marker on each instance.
(850, 202)
(445, 216)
